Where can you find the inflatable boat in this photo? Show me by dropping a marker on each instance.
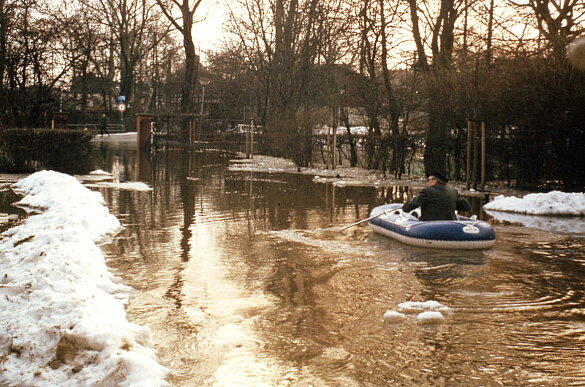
(463, 233)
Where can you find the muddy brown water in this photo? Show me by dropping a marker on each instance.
(244, 280)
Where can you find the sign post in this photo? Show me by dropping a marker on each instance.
(122, 109)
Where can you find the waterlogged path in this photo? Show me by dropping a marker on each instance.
(244, 280)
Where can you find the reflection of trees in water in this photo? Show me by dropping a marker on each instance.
(298, 203)
(108, 156)
(301, 326)
(148, 217)
(323, 304)
(442, 270)
(188, 202)
(393, 194)
(561, 263)
(262, 200)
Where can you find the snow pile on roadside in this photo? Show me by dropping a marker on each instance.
(551, 203)
(62, 317)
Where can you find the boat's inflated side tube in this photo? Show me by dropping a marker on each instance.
(464, 233)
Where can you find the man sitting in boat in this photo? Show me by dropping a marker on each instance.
(437, 201)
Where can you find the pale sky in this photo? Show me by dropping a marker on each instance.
(208, 33)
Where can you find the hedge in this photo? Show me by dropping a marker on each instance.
(29, 150)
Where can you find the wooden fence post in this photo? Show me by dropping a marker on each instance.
(469, 153)
(483, 155)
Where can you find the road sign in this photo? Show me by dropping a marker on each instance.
(121, 107)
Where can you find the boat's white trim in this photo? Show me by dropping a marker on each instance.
(431, 242)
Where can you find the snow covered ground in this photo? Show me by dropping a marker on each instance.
(62, 316)
(130, 137)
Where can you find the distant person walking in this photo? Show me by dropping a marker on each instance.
(104, 126)
(437, 201)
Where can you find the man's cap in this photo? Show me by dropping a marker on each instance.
(440, 176)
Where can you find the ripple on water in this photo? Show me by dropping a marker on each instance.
(314, 238)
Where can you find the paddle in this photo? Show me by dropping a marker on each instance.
(363, 220)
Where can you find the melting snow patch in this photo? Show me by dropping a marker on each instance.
(129, 185)
(99, 172)
(393, 317)
(430, 318)
(411, 307)
(62, 316)
(551, 203)
(427, 312)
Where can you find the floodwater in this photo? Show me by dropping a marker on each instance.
(245, 280)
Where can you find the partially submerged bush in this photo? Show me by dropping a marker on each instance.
(30, 150)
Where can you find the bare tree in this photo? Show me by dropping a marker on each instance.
(380, 26)
(559, 21)
(163, 74)
(253, 46)
(7, 17)
(34, 65)
(284, 41)
(184, 24)
(369, 53)
(388, 19)
(83, 41)
(440, 25)
(129, 21)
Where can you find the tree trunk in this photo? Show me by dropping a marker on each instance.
(126, 80)
(436, 148)
(189, 86)
(435, 154)
(398, 154)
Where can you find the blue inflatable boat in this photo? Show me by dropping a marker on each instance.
(463, 233)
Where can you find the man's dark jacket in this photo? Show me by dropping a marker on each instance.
(437, 202)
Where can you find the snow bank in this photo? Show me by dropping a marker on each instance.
(62, 317)
(551, 203)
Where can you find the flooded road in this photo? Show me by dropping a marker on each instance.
(245, 280)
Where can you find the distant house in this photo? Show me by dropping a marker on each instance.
(90, 92)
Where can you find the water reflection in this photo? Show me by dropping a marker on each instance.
(9, 214)
(244, 279)
(561, 224)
